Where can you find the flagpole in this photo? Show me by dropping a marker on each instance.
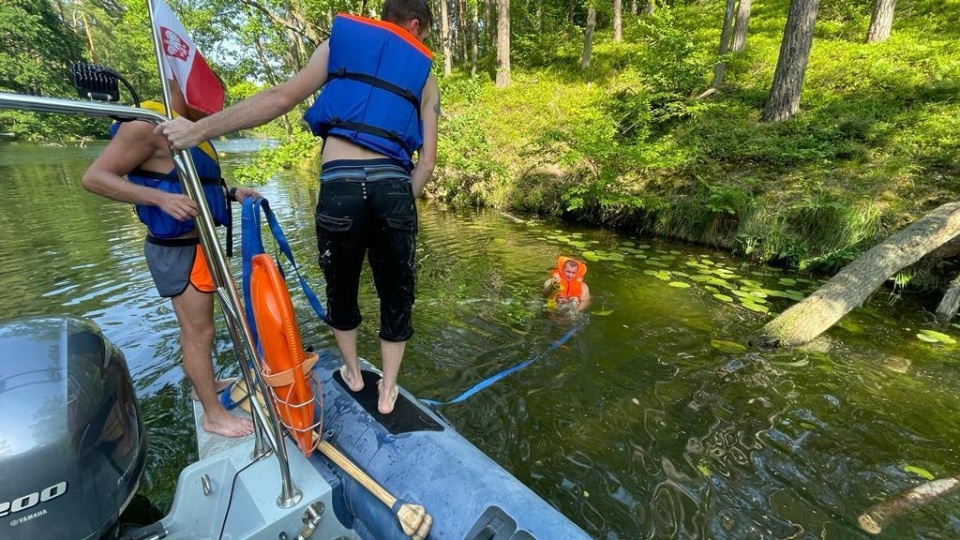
(228, 295)
(161, 65)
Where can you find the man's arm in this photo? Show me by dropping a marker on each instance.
(427, 154)
(584, 297)
(134, 146)
(256, 110)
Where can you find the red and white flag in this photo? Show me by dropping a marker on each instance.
(185, 64)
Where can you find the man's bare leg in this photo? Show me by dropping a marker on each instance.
(350, 370)
(392, 353)
(194, 311)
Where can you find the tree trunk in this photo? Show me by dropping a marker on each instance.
(881, 514)
(445, 39)
(488, 25)
(475, 32)
(784, 100)
(633, 7)
(950, 303)
(617, 21)
(740, 28)
(292, 38)
(571, 8)
(881, 20)
(588, 37)
(649, 7)
(272, 79)
(503, 43)
(724, 45)
(848, 289)
(462, 31)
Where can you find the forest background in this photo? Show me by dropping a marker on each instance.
(786, 131)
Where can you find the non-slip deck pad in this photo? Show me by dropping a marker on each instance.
(406, 416)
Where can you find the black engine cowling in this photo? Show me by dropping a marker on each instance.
(72, 446)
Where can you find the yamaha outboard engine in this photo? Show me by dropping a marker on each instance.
(72, 446)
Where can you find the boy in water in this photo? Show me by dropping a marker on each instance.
(566, 285)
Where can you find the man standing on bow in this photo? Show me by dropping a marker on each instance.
(379, 105)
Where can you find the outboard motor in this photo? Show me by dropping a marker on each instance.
(72, 446)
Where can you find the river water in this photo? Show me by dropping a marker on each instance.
(650, 421)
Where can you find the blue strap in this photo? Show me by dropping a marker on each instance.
(285, 249)
(497, 376)
(252, 244)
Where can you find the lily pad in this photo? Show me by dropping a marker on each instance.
(919, 471)
(679, 284)
(591, 256)
(602, 313)
(935, 337)
(723, 297)
(727, 346)
(755, 307)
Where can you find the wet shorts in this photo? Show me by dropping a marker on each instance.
(176, 263)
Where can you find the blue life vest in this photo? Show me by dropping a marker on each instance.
(163, 225)
(376, 72)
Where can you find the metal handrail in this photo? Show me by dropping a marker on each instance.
(226, 287)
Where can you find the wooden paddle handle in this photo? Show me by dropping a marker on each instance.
(414, 519)
(344, 462)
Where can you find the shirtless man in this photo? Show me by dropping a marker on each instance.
(379, 106)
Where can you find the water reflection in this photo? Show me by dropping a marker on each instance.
(652, 421)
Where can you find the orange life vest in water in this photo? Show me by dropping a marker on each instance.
(569, 288)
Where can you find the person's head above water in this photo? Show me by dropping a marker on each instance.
(570, 269)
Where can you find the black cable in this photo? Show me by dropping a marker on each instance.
(233, 486)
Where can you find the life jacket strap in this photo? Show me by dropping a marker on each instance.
(404, 93)
(369, 130)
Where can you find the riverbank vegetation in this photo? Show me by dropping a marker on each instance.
(618, 114)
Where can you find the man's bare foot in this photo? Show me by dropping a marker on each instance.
(355, 384)
(219, 386)
(226, 424)
(386, 402)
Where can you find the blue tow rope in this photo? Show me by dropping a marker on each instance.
(497, 376)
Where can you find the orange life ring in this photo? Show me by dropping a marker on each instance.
(282, 349)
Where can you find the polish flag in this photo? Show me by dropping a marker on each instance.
(185, 64)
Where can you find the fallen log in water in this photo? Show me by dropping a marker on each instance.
(881, 514)
(848, 289)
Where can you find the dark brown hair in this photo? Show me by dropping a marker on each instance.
(404, 11)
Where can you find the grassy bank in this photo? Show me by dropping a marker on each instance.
(875, 146)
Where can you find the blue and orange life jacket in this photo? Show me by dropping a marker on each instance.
(163, 225)
(569, 288)
(376, 73)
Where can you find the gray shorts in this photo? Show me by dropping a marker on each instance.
(177, 263)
